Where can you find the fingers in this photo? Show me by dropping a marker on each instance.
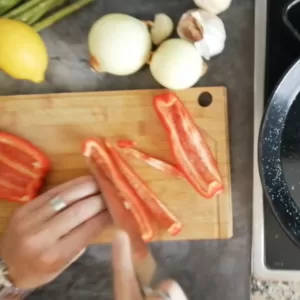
(74, 242)
(42, 250)
(75, 215)
(168, 289)
(58, 257)
(75, 191)
(126, 286)
(85, 186)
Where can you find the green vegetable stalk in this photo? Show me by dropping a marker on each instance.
(20, 9)
(6, 5)
(34, 14)
(61, 14)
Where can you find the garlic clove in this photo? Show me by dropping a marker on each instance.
(205, 30)
(161, 29)
(188, 29)
(213, 6)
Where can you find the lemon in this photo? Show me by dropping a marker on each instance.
(23, 54)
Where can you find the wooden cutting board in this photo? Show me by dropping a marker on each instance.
(57, 124)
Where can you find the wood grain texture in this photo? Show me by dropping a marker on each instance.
(57, 123)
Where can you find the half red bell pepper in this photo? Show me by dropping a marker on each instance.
(189, 148)
(22, 168)
(158, 210)
(101, 151)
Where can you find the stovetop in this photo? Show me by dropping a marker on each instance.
(274, 254)
(282, 49)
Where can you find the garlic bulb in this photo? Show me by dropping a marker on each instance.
(161, 29)
(176, 64)
(119, 44)
(214, 6)
(205, 30)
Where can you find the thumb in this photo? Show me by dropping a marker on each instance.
(126, 286)
(167, 290)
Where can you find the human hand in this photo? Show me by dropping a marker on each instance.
(41, 242)
(127, 245)
(126, 286)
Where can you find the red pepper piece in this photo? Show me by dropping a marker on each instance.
(121, 216)
(161, 213)
(189, 148)
(150, 160)
(22, 168)
(98, 149)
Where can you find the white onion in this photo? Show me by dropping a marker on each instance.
(176, 64)
(205, 30)
(161, 29)
(214, 6)
(119, 44)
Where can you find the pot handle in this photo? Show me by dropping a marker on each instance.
(286, 19)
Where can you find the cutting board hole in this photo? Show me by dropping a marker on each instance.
(205, 99)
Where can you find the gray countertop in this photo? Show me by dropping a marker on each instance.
(206, 269)
(269, 290)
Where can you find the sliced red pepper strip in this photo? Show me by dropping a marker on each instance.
(99, 148)
(116, 207)
(150, 160)
(189, 148)
(161, 213)
(22, 168)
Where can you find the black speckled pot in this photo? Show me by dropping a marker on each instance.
(279, 146)
(279, 152)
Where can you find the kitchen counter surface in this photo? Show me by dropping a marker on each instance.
(268, 290)
(209, 270)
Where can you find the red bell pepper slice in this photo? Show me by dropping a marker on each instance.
(128, 148)
(100, 151)
(161, 213)
(189, 148)
(121, 216)
(22, 168)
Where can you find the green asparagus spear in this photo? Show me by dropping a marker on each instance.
(6, 5)
(45, 7)
(34, 14)
(22, 8)
(61, 14)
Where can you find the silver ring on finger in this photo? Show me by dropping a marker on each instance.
(150, 293)
(58, 204)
